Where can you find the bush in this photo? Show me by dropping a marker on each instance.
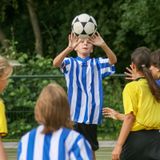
(26, 84)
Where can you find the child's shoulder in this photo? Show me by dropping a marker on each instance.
(71, 132)
(32, 132)
(103, 59)
(1, 100)
(133, 85)
(1, 103)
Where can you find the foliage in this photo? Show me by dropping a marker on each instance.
(145, 24)
(125, 25)
(113, 87)
(21, 94)
(26, 83)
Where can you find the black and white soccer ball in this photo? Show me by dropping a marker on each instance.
(84, 25)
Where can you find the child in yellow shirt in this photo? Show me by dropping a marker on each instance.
(139, 135)
(5, 71)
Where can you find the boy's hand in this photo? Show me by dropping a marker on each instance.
(96, 40)
(73, 41)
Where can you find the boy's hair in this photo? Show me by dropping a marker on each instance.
(52, 109)
(6, 68)
(155, 58)
(141, 58)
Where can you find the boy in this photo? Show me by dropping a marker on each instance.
(84, 82)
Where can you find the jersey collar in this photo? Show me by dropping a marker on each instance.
(83, 59)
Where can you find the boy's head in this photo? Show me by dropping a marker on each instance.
(84, 48)
(52, 108)
(6, 70)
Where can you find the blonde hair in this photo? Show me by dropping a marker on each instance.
(6, 68)
(52, 109)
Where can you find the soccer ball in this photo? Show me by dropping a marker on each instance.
(84, 25)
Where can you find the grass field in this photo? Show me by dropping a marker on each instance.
(101, 154)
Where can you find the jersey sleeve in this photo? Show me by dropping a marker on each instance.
(3, 121)
(106, 68)
(65, 65)
(158, 82)
(130, 98)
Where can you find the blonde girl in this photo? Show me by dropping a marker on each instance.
(5, 72)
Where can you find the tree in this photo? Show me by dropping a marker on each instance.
(36, 27)
(140, 19)
(3, 39)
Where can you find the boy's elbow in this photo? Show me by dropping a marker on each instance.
(114, 61)
(55, 64)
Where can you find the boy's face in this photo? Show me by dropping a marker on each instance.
(84, 48)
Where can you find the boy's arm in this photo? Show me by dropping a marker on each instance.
(58, 60)
(109, 53)
(97, 40)
(73, 42)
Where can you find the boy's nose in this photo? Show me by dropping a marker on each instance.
(86, 41)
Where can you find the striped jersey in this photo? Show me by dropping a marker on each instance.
(158, 82)
(84, 83)
(63, 144)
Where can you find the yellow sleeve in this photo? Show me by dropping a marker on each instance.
(3, 121)
(130, 98)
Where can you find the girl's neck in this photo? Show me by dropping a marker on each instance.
(139, 75)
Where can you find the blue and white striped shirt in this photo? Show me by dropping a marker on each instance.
(84, 83)
(158, 82)
(64, 144)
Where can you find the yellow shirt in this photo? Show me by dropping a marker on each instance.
(137, 98)
(3, 122)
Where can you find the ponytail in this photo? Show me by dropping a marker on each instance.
(141, 58)
(155, 89)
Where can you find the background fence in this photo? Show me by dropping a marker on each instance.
(22, 93)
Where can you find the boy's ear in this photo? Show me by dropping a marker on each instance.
(75, 49)
(92, 50)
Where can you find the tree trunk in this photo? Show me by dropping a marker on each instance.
(36, 28)
(3, 39)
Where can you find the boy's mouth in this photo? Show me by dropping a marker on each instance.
(85, 48)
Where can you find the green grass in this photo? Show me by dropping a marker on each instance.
(11, 153)
(10, 140)
(101, 154)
